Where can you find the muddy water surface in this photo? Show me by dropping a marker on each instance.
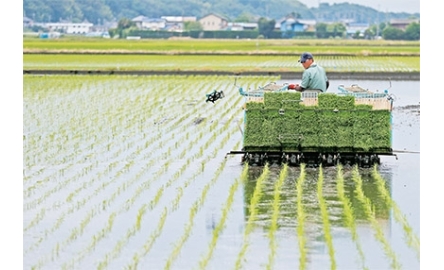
(139, 201)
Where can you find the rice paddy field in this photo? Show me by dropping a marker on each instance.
(232, 63)
(132, 172)
(235, 56)
(222, 46)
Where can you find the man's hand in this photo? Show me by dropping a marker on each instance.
(296, 87)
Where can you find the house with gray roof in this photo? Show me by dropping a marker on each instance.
(213, 22)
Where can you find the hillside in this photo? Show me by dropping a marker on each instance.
(99, 12)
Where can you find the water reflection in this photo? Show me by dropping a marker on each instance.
(288, 195)
(314, 225)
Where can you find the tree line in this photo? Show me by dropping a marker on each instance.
(266, 29)
(101, 11)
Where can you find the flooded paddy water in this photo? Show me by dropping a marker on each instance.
(131, 173)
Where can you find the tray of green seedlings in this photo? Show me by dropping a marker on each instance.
(290, 133)
(281, 123)
(253, 123)
(335, 122)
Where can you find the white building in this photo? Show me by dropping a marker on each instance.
(241, 26)
(69, 28)
(353, 28)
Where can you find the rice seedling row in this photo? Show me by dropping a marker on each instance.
(411, 238)
(190, 223)
(220, 226)
(349, 219)
(301, 216)
(274, 219)
(325, 219)
(379, 234)
(253, 212)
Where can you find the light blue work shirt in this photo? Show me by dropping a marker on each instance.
(314, 78)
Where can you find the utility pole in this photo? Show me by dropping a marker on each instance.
(377, 23)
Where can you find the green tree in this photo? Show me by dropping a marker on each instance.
(412, 32)
(70, 10)
(265, 27)
(337, 29)
(382, 26)
(376, 29)
(244, 17)
(321, 30)
(125, 23)
(95, 10)
(369, 33)
(392, 33)
(66, 10)
(373, 29)
(295, 15)
(39, 11)
(192, 26)
(123, 27)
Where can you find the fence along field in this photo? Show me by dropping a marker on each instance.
(130, 172)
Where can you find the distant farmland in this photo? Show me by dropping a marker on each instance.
(345, 59)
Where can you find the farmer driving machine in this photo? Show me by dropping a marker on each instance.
(353, 126)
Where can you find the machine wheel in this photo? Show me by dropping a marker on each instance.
(337, 159)
(293, 160)
(301, 158)
(375, 160)
(284, 158)
(264, 159)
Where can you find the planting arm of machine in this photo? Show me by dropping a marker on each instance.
(216, 95)
(259, 92)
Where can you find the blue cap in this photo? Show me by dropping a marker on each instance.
(305, 56)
